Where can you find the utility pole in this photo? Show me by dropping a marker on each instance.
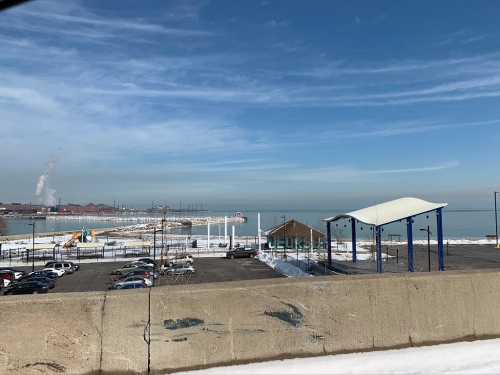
(233, 236)
(258, 231)
(154, 251)
(496, 218)
(225, 230)
(33, 249)
(284, 234)
(162, 238)
(208, 234)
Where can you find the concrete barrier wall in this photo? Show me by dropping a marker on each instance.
(50, 334)
(222, 323)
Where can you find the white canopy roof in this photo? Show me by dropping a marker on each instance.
(389, 212)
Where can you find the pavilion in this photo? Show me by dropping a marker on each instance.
(387, 213)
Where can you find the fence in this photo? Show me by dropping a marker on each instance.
(23, 254)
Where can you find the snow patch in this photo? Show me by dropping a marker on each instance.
(282, 266)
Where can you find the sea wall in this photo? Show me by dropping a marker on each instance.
(203, 325)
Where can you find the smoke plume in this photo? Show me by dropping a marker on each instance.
(44, 193)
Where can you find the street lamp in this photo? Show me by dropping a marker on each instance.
(496, 217)
(428, 245)
(33, 249)
(284, 234)
(154, 251)
(162, 236)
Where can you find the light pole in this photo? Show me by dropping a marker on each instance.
(154, 251)
(496, 217)
(284, 234)
(33, 249)
(428, 245)
(162, 237)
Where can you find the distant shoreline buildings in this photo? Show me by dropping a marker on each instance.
(28, 209)
(66, 209)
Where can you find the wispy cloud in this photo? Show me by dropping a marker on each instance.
(348, 174)
(405, 128)
(112, 23)
(195, 104)
(461, 37)
(29, 98)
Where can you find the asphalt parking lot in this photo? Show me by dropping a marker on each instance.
(96, 276)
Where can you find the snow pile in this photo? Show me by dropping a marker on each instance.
(342, 251)
(282, 266)
(478, 357)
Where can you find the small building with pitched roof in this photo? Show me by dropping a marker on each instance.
(294, 234)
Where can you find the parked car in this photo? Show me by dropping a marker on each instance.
(4, 282)
(68, 267)
(132, 266)
(7, 277)
(58, 272)
(57, 264)
(140, 272)
(146, 280)
(181, 259)
(179, 269)
(45, 273)
(147, 261)
(142, 264)
(16, 273)
(130, 285)
(29, 287)
(241, 252)
(51, 283)
(131, 280)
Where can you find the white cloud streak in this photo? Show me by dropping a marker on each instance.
(113, 24)
(348, 174)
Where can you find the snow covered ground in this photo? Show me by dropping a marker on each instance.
(285, 267)
(196, 220)
(477, 357)
(451, 241)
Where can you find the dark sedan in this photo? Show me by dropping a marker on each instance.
(29, 287)
(241, 252)
(44, 273)
(51, 283)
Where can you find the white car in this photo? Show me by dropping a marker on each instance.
(181, 259)
(179, 270)
(59, 272)
(136, 278)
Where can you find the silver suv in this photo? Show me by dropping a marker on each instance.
(68, 267)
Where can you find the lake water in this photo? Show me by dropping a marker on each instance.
(457, 224)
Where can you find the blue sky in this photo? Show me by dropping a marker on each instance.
(251, 103)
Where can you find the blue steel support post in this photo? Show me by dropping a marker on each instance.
(353, 233)
(409, 235)
(378, 240)
(439, 218)
(329, 242)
